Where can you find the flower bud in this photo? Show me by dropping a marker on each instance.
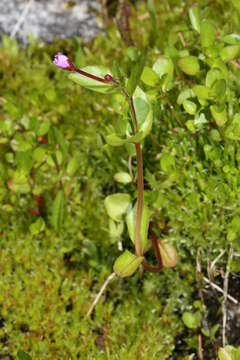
(63, 62)
(108, 77)
(168, 254)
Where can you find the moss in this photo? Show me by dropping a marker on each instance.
(49, 277)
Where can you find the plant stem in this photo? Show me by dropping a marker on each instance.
(157, 252)
(106, 282)
(86, 74)
(140, 184)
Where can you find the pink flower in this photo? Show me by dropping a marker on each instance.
(63, 62)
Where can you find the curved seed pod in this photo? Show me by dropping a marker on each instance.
(169, 254)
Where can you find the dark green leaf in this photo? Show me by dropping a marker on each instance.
(58, 211)
(23, 356)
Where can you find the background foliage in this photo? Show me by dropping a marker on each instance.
(56, 169)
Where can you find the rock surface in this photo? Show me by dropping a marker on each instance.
(49, 18)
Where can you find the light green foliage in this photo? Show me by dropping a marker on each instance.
(229, 353)
(189, 65)
(127, 264)
(93, 84)
(164, 68)
(116, 205)
(131, 223)
(57, 167)
(192, 321)
(123, 177)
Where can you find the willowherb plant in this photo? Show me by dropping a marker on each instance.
(134, 129)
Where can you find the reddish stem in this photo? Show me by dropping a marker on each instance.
(157, 251)
(97, 78)
(151, 268)
(140, 185)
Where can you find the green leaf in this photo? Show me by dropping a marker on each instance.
(190, 107)
(190, 126)
(115, 140)
(136, 73)
(23, 356)
(116, 205)
(117, 72)
(151, 6)
(24, 161)
(132, 53)
(152, 11)
(214, 330)
(220, 65)
(131, 223)
(39, 155)
(194, 16)
(164, 68)
(192, 320)
(219, 88)
(225, 353)
(122, 177)
(219, 115)
(229, 52)
(127, 264)
(207, 34)
(149, 77)
(72, 166)
(144, 117)
(20, 143)
(91, 84)
(189, 65)
(143, 112)
(202, 92)
(232, 39)
(184, 95)
(37, 227)
(58, 211)
(236, 4)
(205, 332)
(60, 140)
(233, 130)
(19, 183)
(212, 76)
(43, 128)
(215, 135)
(167, 162)
(115, 229)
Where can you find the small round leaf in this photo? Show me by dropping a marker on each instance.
(189, 65)
(116, 205)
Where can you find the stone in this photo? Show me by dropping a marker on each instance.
(48, 19)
